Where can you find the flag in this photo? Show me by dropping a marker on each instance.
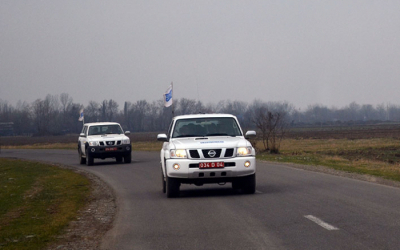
(168, 96)
(81, 116)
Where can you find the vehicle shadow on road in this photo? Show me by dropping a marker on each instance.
(209, 192)
(109, 162)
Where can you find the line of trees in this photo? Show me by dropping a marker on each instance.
(58, 114)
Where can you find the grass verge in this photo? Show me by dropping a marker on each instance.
(37, 201)
(377, 157)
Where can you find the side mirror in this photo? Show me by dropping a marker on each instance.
(250, 134)
(162, 137)
(127, 132)
(82, 135)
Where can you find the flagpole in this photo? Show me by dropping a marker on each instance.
(81, 117)
(173, 109)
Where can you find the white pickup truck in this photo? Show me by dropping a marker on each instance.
(103, 140)
(207, 148)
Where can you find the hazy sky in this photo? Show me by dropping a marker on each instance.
(303, 52)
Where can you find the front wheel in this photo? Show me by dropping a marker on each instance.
(172, 187)
(128, 158)
(164, 184)
(89, 159)
(236, 185)
(81, 159)
(249, 184)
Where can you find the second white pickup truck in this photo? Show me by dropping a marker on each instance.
(103, 140)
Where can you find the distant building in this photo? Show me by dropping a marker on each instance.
(6, 128)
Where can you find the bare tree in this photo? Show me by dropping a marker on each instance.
(108, 110)
(112, 109)
(272, 125)
(276, 126)
(140, 109)
(92, 112)
(66, 101)
(41, 116)
(259, 119)
(22, 119)
(186, 106)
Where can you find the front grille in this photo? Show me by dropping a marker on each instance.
(109, 143)
(229, 152)
(219, 153)
(194, 154)
(207, 153)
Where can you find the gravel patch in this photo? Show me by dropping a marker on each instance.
(92, 222)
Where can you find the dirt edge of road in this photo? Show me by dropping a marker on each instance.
(93, 221)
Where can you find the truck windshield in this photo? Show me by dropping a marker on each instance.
(200, 127)
(105, 129)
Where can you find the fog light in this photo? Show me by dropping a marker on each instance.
(128, 148)
(247, 164)
(176, 166)
(93, 150)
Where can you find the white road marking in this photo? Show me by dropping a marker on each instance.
(258, 192)
(321, 223)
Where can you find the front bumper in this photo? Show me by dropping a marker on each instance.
(189, 169)
(109, 151)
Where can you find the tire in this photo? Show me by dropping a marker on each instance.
(249, 184)
(164, 184)
(118, 159)
(89, 159)
(172, 187)
(128, 158)
(236, 185)
(81, 159)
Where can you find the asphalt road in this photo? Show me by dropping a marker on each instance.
(292, 209)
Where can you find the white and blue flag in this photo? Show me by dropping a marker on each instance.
(168, 96)
(81, 117)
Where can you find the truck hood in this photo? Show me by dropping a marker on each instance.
(209, 142)
(110, 137)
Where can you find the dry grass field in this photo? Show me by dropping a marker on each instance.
(387, 130)
(372, 150)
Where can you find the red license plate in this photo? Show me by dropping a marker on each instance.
(211, 165)
(111, 149)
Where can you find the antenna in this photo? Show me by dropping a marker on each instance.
(197, 85)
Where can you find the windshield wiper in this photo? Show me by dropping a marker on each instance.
(215, 134)
(186, 136)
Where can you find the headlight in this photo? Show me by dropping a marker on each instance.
(245, 151)
(178, 153)
(94, 143)
(127, 141)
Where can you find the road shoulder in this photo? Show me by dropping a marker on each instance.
(327, 170)
(87, 231)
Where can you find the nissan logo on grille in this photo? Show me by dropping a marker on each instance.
(211, 153)
(110, 143)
